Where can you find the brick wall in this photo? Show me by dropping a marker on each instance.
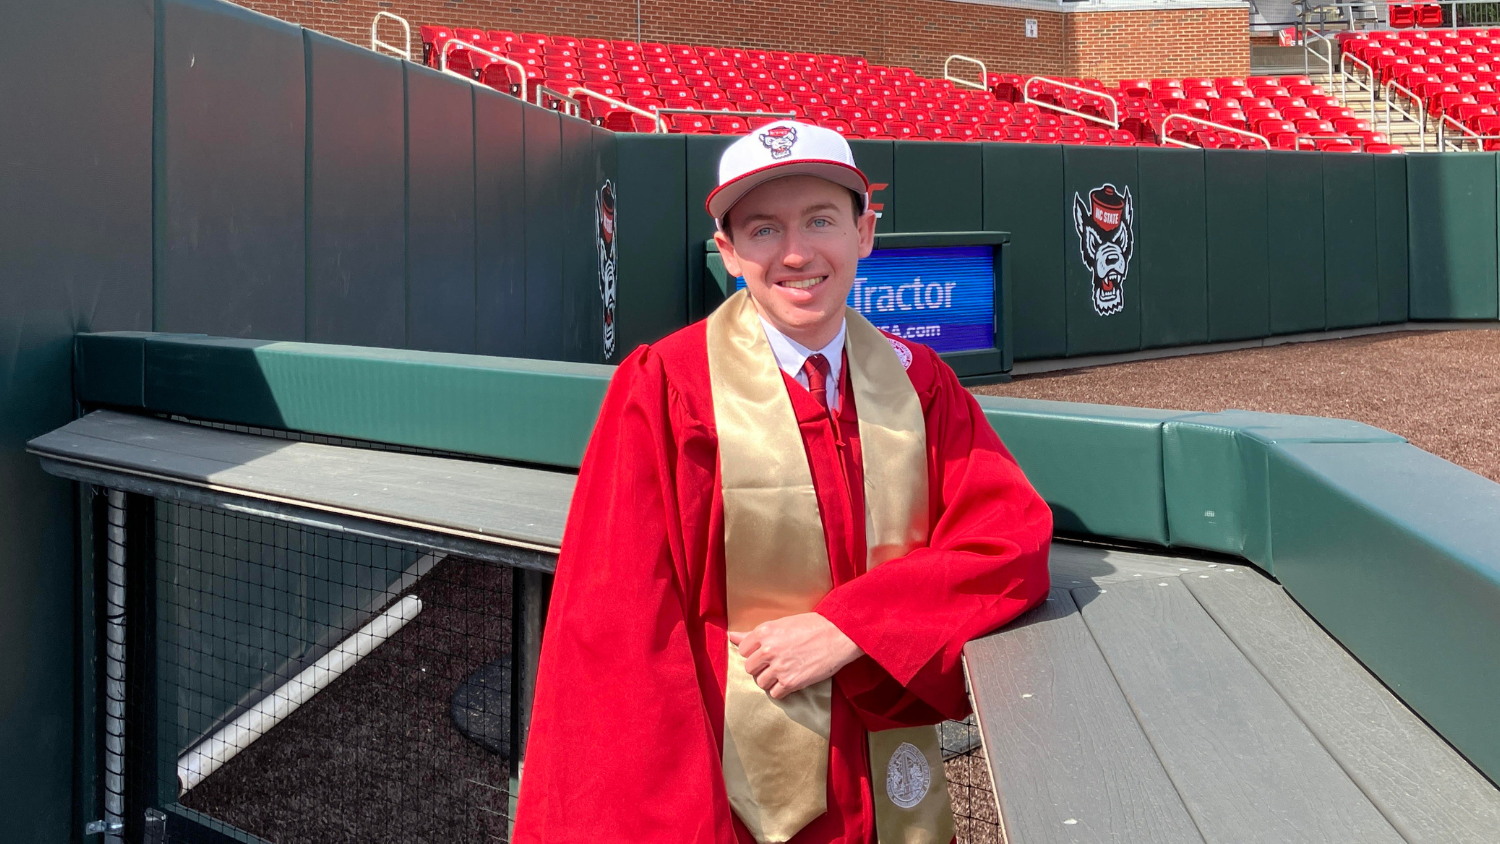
(1186, 42)
(917, 33)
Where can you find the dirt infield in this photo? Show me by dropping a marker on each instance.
(1439, 389)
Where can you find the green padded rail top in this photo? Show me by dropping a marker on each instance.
(530, 411)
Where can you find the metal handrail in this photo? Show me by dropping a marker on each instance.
(450, 44)
(1345, 75)
(1314, 138)
(661, 125)
(1420, 118)
(983, 74)
(1113, 123)
(1465, 134)
(1217, 127)
(1307, 51)
(376, 43)
(570, 106)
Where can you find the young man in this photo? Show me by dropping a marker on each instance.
(785, 528)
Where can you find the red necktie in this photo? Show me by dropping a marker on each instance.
(816, 370)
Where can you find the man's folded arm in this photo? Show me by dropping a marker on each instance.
(985, 564)
(621, 746)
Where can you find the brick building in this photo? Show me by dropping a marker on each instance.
(1109, 40)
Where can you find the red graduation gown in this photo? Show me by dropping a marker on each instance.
(628, 722)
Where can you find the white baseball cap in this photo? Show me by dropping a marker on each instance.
(784, 148)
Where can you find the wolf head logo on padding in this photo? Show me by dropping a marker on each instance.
(604, 217)
(779, 140)
(1106, 240)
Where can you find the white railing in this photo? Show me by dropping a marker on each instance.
(454, 44)
(1314, 138)
(565, 104)
(1112, 122)
(1345, 76)
(1447, 144)
(1310, 40)
(1166, 137)
(983, 74)
(376, 44)
(1419, 117)
(661, 125)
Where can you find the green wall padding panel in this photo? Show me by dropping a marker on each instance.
(1215, 470)
(1238, 247)
(1296, 295)
(1392, 550)
(440, 217)
(545, 234)
(1017, 180)
(1451, 215)
(703, 153)
(653, 211)
(75, 254)
(1091, 332)
(1097, 466)
(356, 209)
(509, 408)
(1351, 242)
(941, 187)
(230, 167)
(581, 312)
(1391, 239)
(1172, 252)
(499, 224)
(877, 160)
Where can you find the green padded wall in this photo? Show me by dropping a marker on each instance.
(877, 160)
(1451, 215)
(356, 195)
(1392, 550)
(1238, 246)
(75, 254)
(499, 224)
(1215, 470)
(581, 327)
(1391, 241)
(532, 411)
(545, 240)
(1296, 295)
(652, 237)
(941, 189)
(229, 144)
(1172, 253)
(1017, 178)
(1090, 332)
(1098, 467)
(440, 213)
(1351, 244)
(703, 153)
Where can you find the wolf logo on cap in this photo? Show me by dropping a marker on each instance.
(779, 140)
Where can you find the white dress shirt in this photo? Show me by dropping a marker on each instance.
(791, 355)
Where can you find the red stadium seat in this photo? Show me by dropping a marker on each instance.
(727, 125)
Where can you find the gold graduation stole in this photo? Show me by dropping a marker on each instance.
(776, 564)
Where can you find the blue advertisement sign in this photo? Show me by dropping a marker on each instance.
(941, 296)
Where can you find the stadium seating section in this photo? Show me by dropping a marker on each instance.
(1453, 74)
(863, 100)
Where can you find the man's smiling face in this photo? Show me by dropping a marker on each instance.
(797, 242)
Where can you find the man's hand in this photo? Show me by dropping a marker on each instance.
(792, 653)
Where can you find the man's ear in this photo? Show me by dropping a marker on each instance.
(866, 226)
(726, 251)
